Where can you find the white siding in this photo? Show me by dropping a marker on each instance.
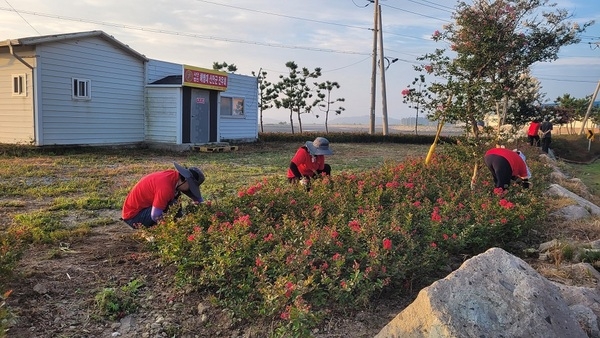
(16, 112)
(156, 70)
(235, 128)
(114, 115)
(163, 118)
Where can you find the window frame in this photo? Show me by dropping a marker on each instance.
(19, 84)
(76, 88)
(231, 111)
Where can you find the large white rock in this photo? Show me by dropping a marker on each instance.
(494, 294)
(558, 190)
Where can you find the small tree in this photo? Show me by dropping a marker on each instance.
(231, 68)
(493, 42)
(324, 100)
(417, 97)
(267, 93)
(578, 107)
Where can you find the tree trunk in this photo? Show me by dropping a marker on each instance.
(292, 120)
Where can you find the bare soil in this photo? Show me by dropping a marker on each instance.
(54, 288)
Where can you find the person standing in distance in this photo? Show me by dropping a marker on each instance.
(152, 196)
(546, 135)
(533, 133)
(506, 165)
(309, 161)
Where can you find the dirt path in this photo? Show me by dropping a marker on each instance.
(54, 293)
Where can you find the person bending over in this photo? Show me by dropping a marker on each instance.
(152, 196)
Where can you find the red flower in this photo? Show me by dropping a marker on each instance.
(433, 245)
(387, 244)
(354, 225)
(285, 315)
(506, 204)
(268, 237)
(405, 91)
(334, 234)
(336, 257)
(191, 238)
(429, 68)
(258, 262)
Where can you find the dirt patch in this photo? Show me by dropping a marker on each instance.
(55, 287)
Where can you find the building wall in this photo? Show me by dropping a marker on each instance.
(115, 113)
(156, 70)
(16, 112)
(241, 128)
(163, 118)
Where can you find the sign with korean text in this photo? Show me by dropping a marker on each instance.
(204, 78)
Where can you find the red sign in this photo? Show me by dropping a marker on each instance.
(204, 78)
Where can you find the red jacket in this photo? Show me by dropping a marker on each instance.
(534, 127)
(518, 166)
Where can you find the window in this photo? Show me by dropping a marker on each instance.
(82, 89)
(19, 85)
(232, 106)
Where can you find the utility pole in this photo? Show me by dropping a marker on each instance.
(589, 110)
(382, 70)
(374, 69)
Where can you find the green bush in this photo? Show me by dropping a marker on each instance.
(278, 252)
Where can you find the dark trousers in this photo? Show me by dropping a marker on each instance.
(534, 140)
(546, 143)
(500, 169)
(143, 218)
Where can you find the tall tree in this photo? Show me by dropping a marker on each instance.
(267, 93)
(492, 43)
(324, 100)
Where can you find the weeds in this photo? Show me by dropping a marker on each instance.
(116, 303)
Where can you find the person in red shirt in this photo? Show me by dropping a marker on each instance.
(309, 161)
(533, 133)
(151, 197)
(506, 165)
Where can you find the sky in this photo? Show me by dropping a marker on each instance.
(334, 35)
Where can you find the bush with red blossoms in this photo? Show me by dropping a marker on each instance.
(291, 257)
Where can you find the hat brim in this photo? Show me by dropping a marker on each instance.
(192, 182)
(316, 151)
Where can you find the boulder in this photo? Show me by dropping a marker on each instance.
(557, 190)
(494, 294)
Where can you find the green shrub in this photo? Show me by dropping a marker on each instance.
(279, 252)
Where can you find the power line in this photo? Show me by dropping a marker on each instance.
(19, 14)
(434, 6)
(565, 80)
(286, 16)
(415, 13)
(206, 37)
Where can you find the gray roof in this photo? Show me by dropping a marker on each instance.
(36, 40)
(171, 79)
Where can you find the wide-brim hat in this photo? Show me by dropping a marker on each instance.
(320, 146)
(194, 176)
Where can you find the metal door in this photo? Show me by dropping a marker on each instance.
(200, 116)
